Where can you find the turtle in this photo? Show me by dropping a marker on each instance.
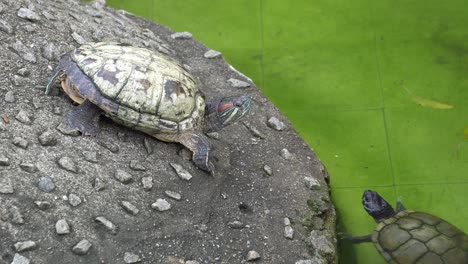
(144, 90)
(406, 236)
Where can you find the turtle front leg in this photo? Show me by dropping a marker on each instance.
(355, 239)
(200, 146)
(85, 118)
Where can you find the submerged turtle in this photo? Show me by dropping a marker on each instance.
(144, 90)
(406, 236)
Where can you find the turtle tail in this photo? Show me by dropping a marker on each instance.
(65, 60)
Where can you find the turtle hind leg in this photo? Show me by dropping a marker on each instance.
(355, 239)
(200, 146)
(85, 118)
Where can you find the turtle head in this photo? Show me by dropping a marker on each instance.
(222, 112)
(376, 206)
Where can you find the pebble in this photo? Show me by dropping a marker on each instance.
(161, 205)
(82, 247)
(147, 183)
(286, 154)
(110, 227)
(28, 167)
(131, 258)
(25, 245)
(62, 227)
(314, 260)
(28, 14)
(174, 195)
(255, 132)
(320, 243)
(236, 225)
(20, 142)
(18, 259)
(212, 54)
(236, 83)
(268, 170)
(74, 200)
(46, 184)
(99, 184)
(6, 187)
(67, 130)
(137, 166)
(112, 147)
(16, 216)
(192, 262)
(240, 73)
(67, 164)
(51, 52)
(312, 183)
(252, 255)
(23, 51)
(130, 208)
(213, 135)
(181, 172)
(90, 156)
(288, 232)
(78, 38)
(123, 176)
(23, 117)
(4, 161)
(5, 27)
(17, 80)
(43, 205)
(10, 97)
(48, 138)
(276, 124)
(23, 72)
(148, 146)
(48, 15)
(182, 35)
(286, 221)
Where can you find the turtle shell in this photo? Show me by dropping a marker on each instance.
(139, 88)
(420, 238)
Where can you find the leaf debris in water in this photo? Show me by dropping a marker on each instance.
(430, 103)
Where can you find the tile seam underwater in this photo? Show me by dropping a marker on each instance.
(262, 45)
(401, 185)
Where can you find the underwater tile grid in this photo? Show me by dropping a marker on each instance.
(377, 88)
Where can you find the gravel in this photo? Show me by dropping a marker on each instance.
(181, 172)
(82, 247)
(161, 205)
(276, 124)
(46, 184)
(62, 227)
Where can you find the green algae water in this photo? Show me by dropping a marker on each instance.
(377, 88)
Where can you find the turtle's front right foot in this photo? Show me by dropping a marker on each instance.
(85, 118)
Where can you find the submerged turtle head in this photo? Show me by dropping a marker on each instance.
(376, 206)
(222, 112)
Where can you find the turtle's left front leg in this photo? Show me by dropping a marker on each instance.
(200, 146)
(85, 118)
(355, 239)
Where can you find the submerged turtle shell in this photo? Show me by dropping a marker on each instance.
(420, 238)
(139, 88)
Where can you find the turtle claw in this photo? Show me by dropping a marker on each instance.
(85, 118)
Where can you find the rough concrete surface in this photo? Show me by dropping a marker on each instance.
(115, 198)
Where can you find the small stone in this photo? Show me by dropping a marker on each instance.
(43, 205)
(25, 245)
(131, 258)
(58, 111)
(90, 156)
(16, 216)
(67, 130)
(123, 176)
(67, 164)
(6, 187)
(147, 183)
(23, 72)
(181, 172)
(148, 145)
(62, 227)
(18, 259)
(173, 195)
(268, 170)
(130, 208)
(36, 102)
(24, 52)
(286, 154)
(114, 148)
(17, 80)
(212, 54)
(110, 227)
(28, 14)
(252, 255)
(48, 15)
(51, 52)
(28, 167)
(20, 142)
(99, 184)
(236, 83)
(213, 135)
(46, 184)
(4, 161)
(82, 247)
(236, 225)
(312, 183)
(288, 232)
(78, 38)
(74, 200)
(318, 241)
(255, 132)
(5, 27)
(135, 165)
(182, 35)
(23, 117)
(286, 221)
(10, 97)
(192, 262)
(48, 138)
(240, 73)
(161, 205)
(275, 124)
